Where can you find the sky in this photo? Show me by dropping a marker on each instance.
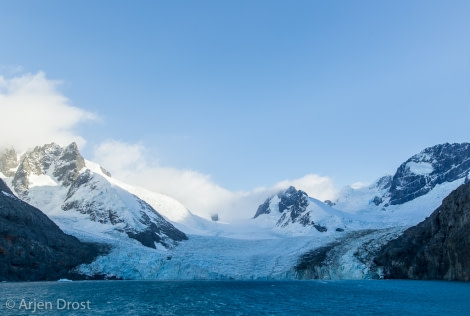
(210, 101)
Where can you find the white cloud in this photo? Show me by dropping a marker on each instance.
(129, 163)
(359, 185)
(321, 188)
(33, 112)
(119, 156)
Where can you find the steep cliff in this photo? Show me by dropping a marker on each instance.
(437, 248)
(32, 247)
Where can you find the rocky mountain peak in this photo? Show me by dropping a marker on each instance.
(422, 172)
(288, 199)
(293, 200)
(293, 207)
(63, 164)
(52, 170)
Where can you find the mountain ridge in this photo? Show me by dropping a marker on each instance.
(420, 174)
(57, 180)
(291, 235)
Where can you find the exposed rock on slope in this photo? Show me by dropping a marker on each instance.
(437, 248)
(61, 183)
(93, 195)
(64, 164)
(422, 172)
(295, 209)
(32, 247)
(436, 170)
(294, 202)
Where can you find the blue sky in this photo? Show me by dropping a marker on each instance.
(250, 93)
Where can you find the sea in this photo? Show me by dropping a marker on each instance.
(365, 297)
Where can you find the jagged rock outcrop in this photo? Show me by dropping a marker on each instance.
(422, 172)
(292, 205)
(32, 247)
(436, 170)
(295, 207)
(437, 248)
(64, 164)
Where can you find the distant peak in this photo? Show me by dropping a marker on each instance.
(291, 189)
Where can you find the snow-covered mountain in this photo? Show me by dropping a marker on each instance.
(83, 199)
(421, 182)
(433, 166)
(291, 235)
(295, 211)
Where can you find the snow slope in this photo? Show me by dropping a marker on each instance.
(359, 203)
(85, 201)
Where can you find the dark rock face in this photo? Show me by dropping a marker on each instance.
(295, 202)
(422, 172)
(437, 248)
(4, 188)
(263, 208)
(32, 247)
(158, 229)
(63, 163)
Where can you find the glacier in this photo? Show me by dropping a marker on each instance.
(291, 236)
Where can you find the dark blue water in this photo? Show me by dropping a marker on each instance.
(236, 298)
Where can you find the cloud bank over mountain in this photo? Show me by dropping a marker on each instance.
(34, 112)
(196, 190)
